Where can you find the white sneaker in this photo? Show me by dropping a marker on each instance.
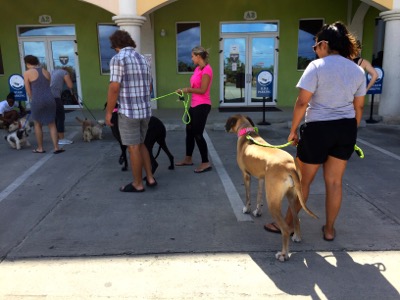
(64, 142)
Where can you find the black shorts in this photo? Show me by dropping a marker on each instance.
(318, 140)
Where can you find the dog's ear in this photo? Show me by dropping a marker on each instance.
(250, 120)
(230, 123)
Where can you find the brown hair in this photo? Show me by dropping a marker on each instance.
(121, 39)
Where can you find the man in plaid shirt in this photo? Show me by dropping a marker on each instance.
(130, 86)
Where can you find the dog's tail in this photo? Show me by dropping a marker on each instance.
(296, 176)
(79, 120)
(158, 151)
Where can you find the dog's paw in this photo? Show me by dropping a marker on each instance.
(281, 257)
(257, 213)
(296, 238)
(246, 210)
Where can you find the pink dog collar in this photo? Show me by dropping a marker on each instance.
(246, 130)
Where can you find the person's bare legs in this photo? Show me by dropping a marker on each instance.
(333, 175)
(136, 162)
(39, 136)
(146, 163)
(54, 135)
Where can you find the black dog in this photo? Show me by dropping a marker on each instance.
(156, 133)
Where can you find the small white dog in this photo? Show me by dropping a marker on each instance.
(19, 138)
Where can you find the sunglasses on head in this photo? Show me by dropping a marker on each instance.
(316, 45)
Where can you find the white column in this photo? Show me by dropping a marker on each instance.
(129, 21)
(389, 106)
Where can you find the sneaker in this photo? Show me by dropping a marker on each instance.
(64, 142)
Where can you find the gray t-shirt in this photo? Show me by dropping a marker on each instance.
(57, 82)
(334, 82)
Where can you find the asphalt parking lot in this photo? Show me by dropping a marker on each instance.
(66, 232)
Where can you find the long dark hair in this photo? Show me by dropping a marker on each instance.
(339, 39)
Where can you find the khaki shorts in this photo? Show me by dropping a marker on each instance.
(132, 131)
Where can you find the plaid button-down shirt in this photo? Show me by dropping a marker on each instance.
(133, 72)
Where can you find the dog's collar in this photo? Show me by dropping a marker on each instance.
(246, 130)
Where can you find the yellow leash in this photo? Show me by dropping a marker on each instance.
(357, 149)
(186, 116)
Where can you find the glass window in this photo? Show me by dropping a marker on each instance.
(188, 37)
(46, 30)
(307, 31)
(105, 51)
(1, 63)
(249, 27)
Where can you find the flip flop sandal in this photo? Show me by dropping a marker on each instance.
(129, 188)
(151, 184)
(59, 151)
(37, 151)
(325, 238)
(183, 164)
(273, 228)
(203, 170)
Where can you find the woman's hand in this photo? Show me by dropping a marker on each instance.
(294, 138)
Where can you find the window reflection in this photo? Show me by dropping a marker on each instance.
(46, 30)
(307, 31)
(249, 27)
(105, 51)
(188, 37)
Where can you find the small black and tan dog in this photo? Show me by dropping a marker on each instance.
(156, 133)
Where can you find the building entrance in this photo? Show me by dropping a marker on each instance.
(247, 49)
(55, 48)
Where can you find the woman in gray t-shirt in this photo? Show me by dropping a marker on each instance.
(331, 100)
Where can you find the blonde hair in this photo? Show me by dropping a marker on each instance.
(198, 50)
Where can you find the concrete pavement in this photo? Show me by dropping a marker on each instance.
(66, 232)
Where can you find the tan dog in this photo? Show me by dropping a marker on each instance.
(91, 130)
(97, 130)
(274, 167)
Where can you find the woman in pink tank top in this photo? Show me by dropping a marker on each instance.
(200, 84)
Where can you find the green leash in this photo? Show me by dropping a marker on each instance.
(267, 145)
(186, 116)
(357, 149)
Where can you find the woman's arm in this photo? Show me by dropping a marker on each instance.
(299, 111)
(27, 84)
(371, 71)
(358, 103)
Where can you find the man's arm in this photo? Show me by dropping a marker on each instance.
(112, 97)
